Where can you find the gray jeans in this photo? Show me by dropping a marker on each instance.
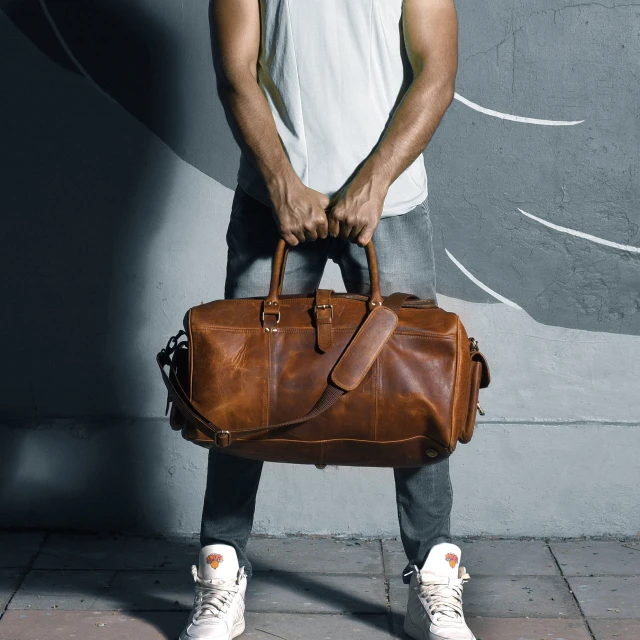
(405, 257)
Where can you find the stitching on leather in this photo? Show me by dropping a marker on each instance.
(368, 442)
(269, 378)
(376, 387)
(397, 332)
(473, 399)
(455, 386)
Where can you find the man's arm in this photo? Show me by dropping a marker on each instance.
(300, 212)
(431, 39)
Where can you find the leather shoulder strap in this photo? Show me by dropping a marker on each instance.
(348, 372)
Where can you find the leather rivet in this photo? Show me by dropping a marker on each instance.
(268, 302)
(432, 453)
(267, 329)
(275, 304)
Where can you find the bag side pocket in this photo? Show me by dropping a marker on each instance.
(476, 377)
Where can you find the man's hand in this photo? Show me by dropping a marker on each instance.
(300, 212)
(356, 209)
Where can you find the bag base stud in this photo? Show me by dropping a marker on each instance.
(432, 453)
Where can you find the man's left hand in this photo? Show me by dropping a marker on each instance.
(354, 212)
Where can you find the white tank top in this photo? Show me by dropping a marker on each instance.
(332, 72)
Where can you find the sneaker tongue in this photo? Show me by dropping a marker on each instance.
(443, 560)
(218, 562)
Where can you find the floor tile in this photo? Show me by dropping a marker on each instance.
(17, 548)
(608, 596)
(316, 593)
(584, 558)
(531, 629)
(395, 559)
(149, 591)
(323, 555)
(9, 581)
(509, 597)
(265, 626)
(615, 629)
(90, 625)
(487, 558)
(517, 628)
(63, 551)
(508, 558)
(106, 591)
(66, 590)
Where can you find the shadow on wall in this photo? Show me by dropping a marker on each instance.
(82, 183)
(74, 168)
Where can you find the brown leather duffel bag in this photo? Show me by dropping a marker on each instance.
(325, 378)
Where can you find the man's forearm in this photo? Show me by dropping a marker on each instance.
(411, 127)
(257, 128)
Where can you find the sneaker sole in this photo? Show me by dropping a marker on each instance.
(414, 631)
(237, 630)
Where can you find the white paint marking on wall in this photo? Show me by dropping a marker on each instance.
(514, 118)
(68, 51)
(481, 284)
(580, 234)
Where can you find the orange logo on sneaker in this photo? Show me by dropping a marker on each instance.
(452, 558)
(214, 560)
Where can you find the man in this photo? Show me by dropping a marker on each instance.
(332, 104)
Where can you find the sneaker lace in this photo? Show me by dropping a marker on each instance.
(441, 596)
(213, 597)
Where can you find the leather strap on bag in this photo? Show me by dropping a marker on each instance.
(348, 372)
(323, 312)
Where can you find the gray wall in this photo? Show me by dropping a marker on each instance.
(118, 169)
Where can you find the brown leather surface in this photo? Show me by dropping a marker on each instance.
(364, 348)
(393, 385)
(324, 319)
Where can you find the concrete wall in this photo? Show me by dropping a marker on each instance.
(118, 170)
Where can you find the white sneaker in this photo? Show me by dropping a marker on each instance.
(434, 610)
(218, 607)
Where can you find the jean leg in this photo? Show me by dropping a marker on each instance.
(404, 248)
(424, 497)
(232, 481)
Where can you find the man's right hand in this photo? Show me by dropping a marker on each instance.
(300, 213)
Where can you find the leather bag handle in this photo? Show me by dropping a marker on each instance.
(348, 372)
(280, 262)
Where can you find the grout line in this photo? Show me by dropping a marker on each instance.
(573, 595)
(27, 570)
(387, 593)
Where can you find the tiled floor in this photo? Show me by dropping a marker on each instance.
(84, 587)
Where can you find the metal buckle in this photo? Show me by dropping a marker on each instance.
(323, 306)
(271, 314)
